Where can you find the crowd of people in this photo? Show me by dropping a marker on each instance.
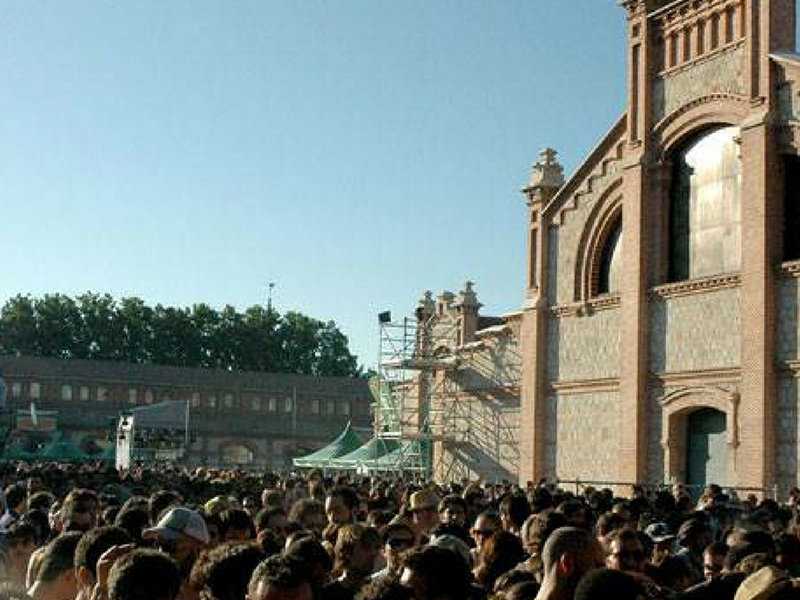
(91, 533)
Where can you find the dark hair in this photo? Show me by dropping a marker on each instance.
(59, 556)
(160, 501)
(41, 501)
(443, 572)
(14, 495)
(500, 553)
(309, 552)
(347, 494)
(387, 531)
(225, 570)
(608, 583)
(144, 575)
(20, 532)
(451, 499)
(236, 518)
(96, 541)
(304, 508)
(134, 520)
(283, 572)
(265, 514)
(516, 507)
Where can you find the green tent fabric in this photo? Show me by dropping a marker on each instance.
(347, 441)
(62, 448)
(414, 455)
(367, 455)
(13, 452)
(109, 454)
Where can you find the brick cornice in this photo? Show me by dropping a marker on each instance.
(584, 309)
(696, 286)
(729, 375)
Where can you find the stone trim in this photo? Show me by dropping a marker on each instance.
(586, 386)
(587, 308)
(696, 377)
(696, 286)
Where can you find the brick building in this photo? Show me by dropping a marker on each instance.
(247, 419)
(660, 331)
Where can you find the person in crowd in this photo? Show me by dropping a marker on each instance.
(55, 577)
(90, 548)
(453, 511)
(310, 515)
(223, 573)
(236, 526)
(486, 525)
(603, 584)
(181, 533)
(424, 506)
(567, 556)
(341, 504)
(144, 574)
(280, 578)
(534, 534)
(20, 542)
(396, 538)
(626, 552)
(500, 553)
(16, 501)
(274, 521)
(356, 549)
(316, 561)
(432, 573)
(514, 509)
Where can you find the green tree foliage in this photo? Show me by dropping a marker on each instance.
(99, 327)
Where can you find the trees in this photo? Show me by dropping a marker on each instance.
(99, 327)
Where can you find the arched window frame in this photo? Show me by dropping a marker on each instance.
(602, 221)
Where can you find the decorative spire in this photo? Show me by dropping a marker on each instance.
(547, 172)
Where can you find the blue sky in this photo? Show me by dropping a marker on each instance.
(354, 152)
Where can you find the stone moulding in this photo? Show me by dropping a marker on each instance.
(696, 286)
(585, 309)
(686, 399)
(585, 386)
(720, 376)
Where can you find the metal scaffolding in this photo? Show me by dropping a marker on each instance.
(454, 406)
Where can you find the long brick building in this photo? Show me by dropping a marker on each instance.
(660, 335)
(235, 419)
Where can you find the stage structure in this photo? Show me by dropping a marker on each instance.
(155, 433)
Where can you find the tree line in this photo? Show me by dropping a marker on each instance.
(97, 326)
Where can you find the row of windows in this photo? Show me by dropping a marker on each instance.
(271, 404)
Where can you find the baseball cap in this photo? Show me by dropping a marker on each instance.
(179, 521)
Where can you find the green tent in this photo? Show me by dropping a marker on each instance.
(14, 452)
(367, 455)
(347, 441)
(109, 454)
(61, 448)
(413, 455)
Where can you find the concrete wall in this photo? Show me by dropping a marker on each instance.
(695, 332)
(584, 347)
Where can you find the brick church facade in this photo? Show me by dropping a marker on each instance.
(660, 334)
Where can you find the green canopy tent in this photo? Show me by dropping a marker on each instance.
(412, 455)
(347, 441)
(109, 454)
(14, 452)
(61, 448)
(367, 455)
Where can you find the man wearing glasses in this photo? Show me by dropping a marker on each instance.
(397, 537)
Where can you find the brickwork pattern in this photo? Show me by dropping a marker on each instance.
(719, 74)
(583, 436)
(788, 324)
(786, 433)
(586, 347)
(696, 332)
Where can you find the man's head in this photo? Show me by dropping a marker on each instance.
(486, 524)
(714, 559)
(55, 579)
(279, 578)
(396, 539)
(514, 509)
(273, 520)
(314, 558)
(182, 534)
(434, 573)
(91, 546)
(310, 515)
(424, 506)
(626, 552)
(453, 510)
(356, 549)
(568, 554)
(144, 575)
(223, 573)
(341, 502)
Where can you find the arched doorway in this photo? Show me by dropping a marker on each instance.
(706, 447)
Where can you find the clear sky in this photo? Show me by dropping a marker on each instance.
(354, 152)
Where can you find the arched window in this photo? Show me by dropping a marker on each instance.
(705, 206)
(608, 274)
